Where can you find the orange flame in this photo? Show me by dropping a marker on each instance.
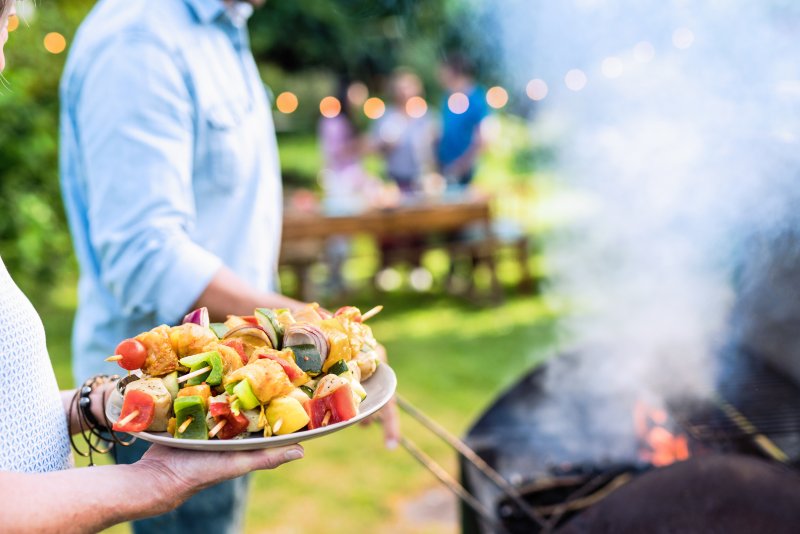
(658, 446)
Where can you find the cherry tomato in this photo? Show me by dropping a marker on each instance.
(133, 354)
(145, 407)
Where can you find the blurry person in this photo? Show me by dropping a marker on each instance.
(171, 181)
(404, 135)
(39, 488)
(346, 185)
(463, 109)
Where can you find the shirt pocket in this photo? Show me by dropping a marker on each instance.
(225, 155)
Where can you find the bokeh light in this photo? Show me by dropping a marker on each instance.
(536, 89)
(682, 38)
(357, 93)
(13, 23)
(374, 108)
(575, 80)
(286, 102)
(330, 107)
(644, 52)
(55, 43)
(458, 103)
(416, 107)
(497, 97)
(612, 67)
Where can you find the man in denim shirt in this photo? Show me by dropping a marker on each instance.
(170, 176)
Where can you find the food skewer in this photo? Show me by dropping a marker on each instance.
(114, 358)
(185, 425)
(219, 426)
(277, 426)
(128, 418)
(193, 374)
(371, 313)
(326, 418)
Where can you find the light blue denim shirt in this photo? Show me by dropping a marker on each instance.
(169, 166)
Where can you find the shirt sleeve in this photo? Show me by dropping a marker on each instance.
(135, 122)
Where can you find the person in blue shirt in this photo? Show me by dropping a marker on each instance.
(171, 181)
(463, 109)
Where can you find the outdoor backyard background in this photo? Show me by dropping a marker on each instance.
(452, 357)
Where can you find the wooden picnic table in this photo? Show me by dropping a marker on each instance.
(424, 217)
(304, 233)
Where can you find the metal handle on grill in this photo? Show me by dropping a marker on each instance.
(472, 457)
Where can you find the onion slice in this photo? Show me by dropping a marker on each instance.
(198, 316)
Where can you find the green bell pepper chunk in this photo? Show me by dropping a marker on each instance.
(247, 399)
(186, 407)
(220, 329)
(204, 359)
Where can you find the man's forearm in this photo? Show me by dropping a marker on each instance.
(227, 294)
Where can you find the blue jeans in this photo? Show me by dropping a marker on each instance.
(218, 509)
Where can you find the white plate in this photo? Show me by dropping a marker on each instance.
(380, 388)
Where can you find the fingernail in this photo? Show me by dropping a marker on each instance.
(293, 454)
(391, 444)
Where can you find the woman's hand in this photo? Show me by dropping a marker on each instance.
(178, 474)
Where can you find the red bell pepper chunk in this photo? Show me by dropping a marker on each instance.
(291, 369)
(350, 312)
(238, 346)
(145, 407)
(235, 425)
(251, 319)
(341, 405)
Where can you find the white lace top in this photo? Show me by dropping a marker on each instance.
(33, 427)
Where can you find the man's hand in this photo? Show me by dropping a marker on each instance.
(389, 417)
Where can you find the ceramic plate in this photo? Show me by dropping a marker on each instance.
(380, 388)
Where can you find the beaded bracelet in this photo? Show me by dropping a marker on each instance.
(99, 437)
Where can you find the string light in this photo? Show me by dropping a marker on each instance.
(330, 107)
(13, 23)
(682, 38)
(55, 43)
(612, 67)
(643, 52)
(497, 97)
(458, 103)
(416, 107)
(374, 108)
(536, 89)
(286, 102)
(575, 80)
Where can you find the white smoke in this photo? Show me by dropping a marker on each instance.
(684, 137)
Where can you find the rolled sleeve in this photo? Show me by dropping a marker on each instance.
(137, 133)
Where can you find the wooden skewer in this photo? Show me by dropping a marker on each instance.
(219, 426)
(185, 425)
(232, 399)
(193, 374)
(277, 426)
(326, 419)
(371, 313)
(128, 418)
(114, 358)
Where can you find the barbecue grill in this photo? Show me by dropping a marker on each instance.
(536, 462)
